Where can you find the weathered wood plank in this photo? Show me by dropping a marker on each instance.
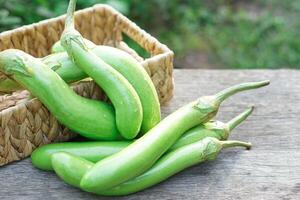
(271, 170)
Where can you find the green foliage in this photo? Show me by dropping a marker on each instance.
(173, 21)
(18, 12)
(265, 36)
(265, 39)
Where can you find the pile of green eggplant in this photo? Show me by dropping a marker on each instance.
(128, 147)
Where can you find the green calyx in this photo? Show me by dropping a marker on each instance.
(207, 104)
(211, 147)
(219, 128)
(12, 62)
(224, 129)
(69, 38)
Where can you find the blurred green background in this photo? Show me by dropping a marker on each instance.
(203, 33)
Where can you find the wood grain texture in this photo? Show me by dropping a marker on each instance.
(271, 170)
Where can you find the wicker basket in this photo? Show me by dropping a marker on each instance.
(26, 123)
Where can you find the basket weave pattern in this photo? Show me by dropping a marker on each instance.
(25, 122)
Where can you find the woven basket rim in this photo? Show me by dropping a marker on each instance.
(164, 49)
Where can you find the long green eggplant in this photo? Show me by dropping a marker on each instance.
(139, 156)
(121, 61)
(95, 151)
(71, 168)
(127, 104)
(125, 64)
(90, 118)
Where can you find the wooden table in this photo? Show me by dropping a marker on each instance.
(271, 170)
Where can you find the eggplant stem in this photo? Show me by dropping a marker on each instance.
(235, 143)
(69, 24)
(239, 119)
(224, 94)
